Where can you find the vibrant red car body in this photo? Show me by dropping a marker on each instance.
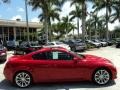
(57, 65)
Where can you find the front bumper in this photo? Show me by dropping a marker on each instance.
(114, 73)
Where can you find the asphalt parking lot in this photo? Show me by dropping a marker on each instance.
(107, 52)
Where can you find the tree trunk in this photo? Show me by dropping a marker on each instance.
(78, 27)
(90, 33)
(46, 29)
(96, 30)
(73, 33)
(107, 32)
(83, 20)
(49, 31)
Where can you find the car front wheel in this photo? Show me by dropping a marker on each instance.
(101, 76)
(23, 79)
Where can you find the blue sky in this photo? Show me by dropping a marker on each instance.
(16, 9)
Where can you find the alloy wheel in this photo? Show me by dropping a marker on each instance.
(22, 79)
(102, 77)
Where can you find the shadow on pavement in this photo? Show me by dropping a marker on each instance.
(6, 85)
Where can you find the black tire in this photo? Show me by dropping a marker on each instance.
(117, 46)
(23, 79)
(101, 76)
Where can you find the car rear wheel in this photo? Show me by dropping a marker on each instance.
(23, 79)
(101, 76)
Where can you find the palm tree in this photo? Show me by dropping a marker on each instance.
(77, 13)
(89, 27)
(59, 29)
(116, 15)
(101, 27)
(108, 5)
(53, 13)
(95, 20)
(82, 3)
(72, 28)
(44, 6)
(96, 26)
(66, 22)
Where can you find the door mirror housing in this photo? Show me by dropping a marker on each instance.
(76, 60)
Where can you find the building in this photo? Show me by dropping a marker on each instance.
(17, 30)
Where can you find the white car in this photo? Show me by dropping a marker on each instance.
(103, 44)
(96, 44)
(58, 44)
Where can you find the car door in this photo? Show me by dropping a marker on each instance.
(57, 66)
(66, 68)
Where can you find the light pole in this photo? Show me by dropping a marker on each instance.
(26, 12)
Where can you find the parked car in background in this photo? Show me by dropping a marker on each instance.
(58, 65)
(27, 47)
(3, 53)
(118, 43)
(76, 45)
(12, 44)
(57, 44)
(103, 43)
(95, 44)
(109, 42)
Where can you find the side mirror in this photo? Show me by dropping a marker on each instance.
(76, 60)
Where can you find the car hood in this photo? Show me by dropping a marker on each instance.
(96, 59)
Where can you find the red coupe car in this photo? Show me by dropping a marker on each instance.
(58, 65)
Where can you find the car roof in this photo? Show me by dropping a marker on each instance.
(50, 48)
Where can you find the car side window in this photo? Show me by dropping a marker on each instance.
(52, 55)
(39, 56)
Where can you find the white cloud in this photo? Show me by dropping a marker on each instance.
(112, 26)
(35, 19)
(102, 12)
(66, 9)
(20, 10)
(16, 17)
